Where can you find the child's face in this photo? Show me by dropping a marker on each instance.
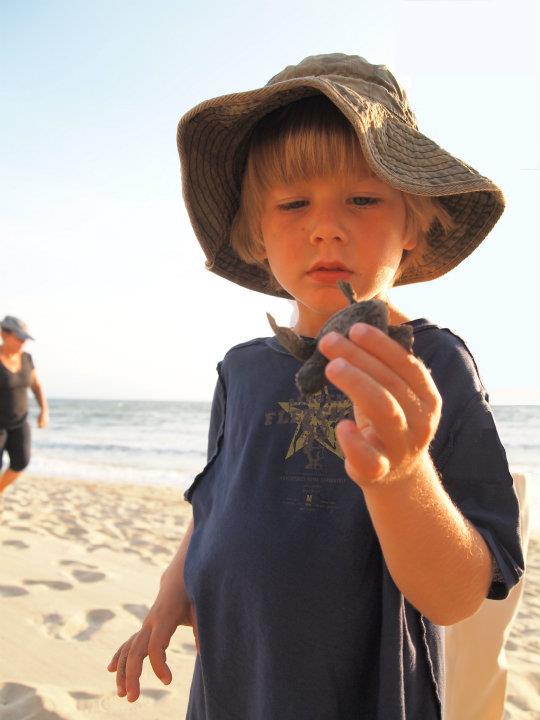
(322, 230)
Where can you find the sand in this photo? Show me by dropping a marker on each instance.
(79, 567)
(523, 646)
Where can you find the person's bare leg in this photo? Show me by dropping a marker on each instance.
(8, 477)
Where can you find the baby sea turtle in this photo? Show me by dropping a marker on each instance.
(310, 378)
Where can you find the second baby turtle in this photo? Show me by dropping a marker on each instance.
(310, 378)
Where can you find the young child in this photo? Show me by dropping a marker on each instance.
(332, 535)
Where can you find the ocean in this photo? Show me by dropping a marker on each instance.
(164, 443)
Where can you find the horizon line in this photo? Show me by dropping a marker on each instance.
(500, 403)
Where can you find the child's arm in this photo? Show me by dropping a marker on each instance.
(170, 609)
(436, 557)
(439, 561)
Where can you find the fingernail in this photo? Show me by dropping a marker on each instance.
(360, 328)
(331, 338)
(337, 365)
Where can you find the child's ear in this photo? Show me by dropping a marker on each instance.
(259, 254)
(410, 241)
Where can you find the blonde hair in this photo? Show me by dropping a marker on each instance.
(305, 139)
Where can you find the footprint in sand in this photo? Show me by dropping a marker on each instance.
(52, 584)
(100, 546)
(19, 544)
(139, 611)
(189, 648)
(88, 576)
(79, 564)
(139, 542)
(23, 701)
(81, 695)
(78, 627)
(76, 531)
(84, 572)
(12, 591)
(85, 700)
(51, 624)
(95, 619)
(154, 694)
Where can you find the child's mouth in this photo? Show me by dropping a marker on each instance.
(329, 274)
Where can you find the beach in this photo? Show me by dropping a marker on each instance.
(80, 566)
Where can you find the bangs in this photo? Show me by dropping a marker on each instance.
(306, 139)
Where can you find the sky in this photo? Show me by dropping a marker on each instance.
(96, 251)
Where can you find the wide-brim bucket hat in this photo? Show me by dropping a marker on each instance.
(213, 142)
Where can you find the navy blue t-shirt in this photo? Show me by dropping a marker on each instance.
(298, 616)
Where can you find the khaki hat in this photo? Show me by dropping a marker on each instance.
(213, 142)
(13, 325)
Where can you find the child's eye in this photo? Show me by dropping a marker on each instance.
(293, 205)
(362, 201)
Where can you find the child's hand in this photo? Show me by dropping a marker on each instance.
(396, 404)
(152, 640)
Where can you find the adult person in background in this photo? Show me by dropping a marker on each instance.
(17, 374)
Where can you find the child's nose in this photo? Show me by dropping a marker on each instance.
(328, 230)
(327, 224)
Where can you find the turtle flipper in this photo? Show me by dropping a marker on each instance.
(298, 348)
(346, 289)
(403, 334)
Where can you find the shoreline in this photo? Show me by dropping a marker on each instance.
(80, 567)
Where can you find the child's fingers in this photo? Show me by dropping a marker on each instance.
(334, 345)
(363, 462)
(121, 690)
(128, 660)
(133, 671)
(113, 664)
(159, 642)
(421, 415)
(385, 414)
(118, 665)
(134, 663)
(411, 370)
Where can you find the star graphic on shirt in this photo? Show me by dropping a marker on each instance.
(316, 418)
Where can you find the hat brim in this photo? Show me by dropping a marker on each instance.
(213, 141)
(17, 333)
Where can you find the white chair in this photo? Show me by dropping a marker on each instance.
(476, 666)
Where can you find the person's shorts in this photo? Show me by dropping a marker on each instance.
(16, 442)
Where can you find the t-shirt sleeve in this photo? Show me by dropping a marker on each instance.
(215, 429)
(217, 417)
(471, 459)
(477, 478)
